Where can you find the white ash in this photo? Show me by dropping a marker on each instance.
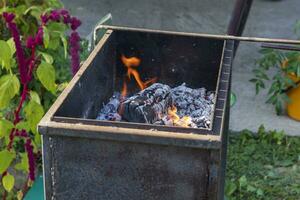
(109, 111)
(148, 105)
(196, 103)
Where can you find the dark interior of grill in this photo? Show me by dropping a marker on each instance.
(173, 59)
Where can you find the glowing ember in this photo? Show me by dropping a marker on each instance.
(173, 119)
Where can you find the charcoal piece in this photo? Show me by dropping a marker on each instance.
(149, 105)
(109, 111)
(196, 103)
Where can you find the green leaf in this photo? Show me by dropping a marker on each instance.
(266, 51)
(20, 195)
(259, 192)
(54, 44)
(33, 113)
(253, 80)
(46, 37)
(278, 108)
(6, 157)
(8, 182)
(35, 11)
(298, 71)
(23, 165)
(5, 55)
(31, 8)
(230, 188)
(9, 87)
(37, 140)
(257, 86)
(35, 97)
(56, 28)
(12, 46)
(5, 127)
(65, 44)
(19, 10)
(272, 99)
(23, 125)
(46, 74)
(243, 181)
(250, 188)
(62, 86)
(47, 57)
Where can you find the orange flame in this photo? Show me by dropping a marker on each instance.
(135, 62)
(185, 121)
(129, 64)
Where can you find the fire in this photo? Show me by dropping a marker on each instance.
(171, 118)
(130, 63)
(174, 119)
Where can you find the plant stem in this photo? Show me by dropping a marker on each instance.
(4, 195)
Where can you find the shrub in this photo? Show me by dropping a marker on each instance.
(34, 55)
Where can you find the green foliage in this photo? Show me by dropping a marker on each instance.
(265, 165)
(8, 182)
(33, 113)
(27, 14)
(6, 54)
(23, 165)
(9, 87)
(6, 158)
(50, 75)
(5, 127)
(285, 64)
(46, 74)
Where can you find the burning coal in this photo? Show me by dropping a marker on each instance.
(158, 103)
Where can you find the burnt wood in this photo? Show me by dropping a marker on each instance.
(148, 105)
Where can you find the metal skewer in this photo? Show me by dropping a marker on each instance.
(281, 47)
(225, 37)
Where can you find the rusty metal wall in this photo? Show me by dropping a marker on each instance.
(81, 168)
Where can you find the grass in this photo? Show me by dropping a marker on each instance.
(265, 165)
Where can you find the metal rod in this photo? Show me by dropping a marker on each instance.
(281, 47)
(238, 19)
(224, 37)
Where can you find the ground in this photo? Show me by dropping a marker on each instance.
(274, 19)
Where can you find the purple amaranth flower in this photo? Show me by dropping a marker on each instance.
(74, 51)
(67, 19)
(9, 17)
(39, 36)
(75, 23)
(44, 18)
(30, 43)
(22, 133)
(66, 16)
(64, 12)
(54, 15)
(31, 159)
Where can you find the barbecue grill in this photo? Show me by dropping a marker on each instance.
(84, 158)
(144, 161)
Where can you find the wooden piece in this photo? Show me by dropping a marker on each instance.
(148, 105)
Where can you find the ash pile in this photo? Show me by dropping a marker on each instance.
(162, 105)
